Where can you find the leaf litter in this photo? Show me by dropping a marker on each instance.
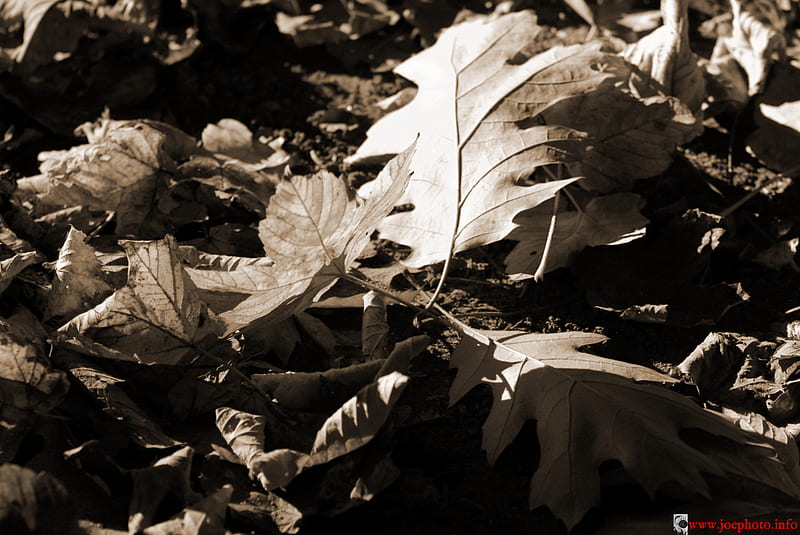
(178, 308)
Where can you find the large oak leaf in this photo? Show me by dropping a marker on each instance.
(313, 231)
(588, 410)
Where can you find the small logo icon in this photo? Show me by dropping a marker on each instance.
(680, 524)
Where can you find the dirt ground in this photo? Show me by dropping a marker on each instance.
(446, 485)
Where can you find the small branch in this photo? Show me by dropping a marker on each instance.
(752, 193)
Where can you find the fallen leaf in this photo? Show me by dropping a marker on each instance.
(206, 517)
(167, 478)
(354, 424)
(29, 384)
(77, 283)
(755, 41)
(323, 391)
(313, 231)
(316, 329)
(480, 138)
(33, 503)
(336, 21)
(108, 393)
(666, 56)
(776, 139)
(156, 318)
(607, 220)
(588, 410)
(714, 364)
(262, 511)
(233, 142)
(13, 266)
(119, 170)
(374, 326)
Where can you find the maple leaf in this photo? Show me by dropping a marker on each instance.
(154, 318)
(313, 231)
(606, 220)
(77, 284)
(588, 410)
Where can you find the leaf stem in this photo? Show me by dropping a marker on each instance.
(540, 271)
(386, 293)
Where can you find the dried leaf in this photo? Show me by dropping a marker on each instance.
(118, 170)
(776, 139)
(13, 266)
(354, 424)
(374, 326)
(606, 220)
(667, 57)
(156, 317)
(232, 142)
(480, 137)
(206, 517)
(29, 384)
(313, 232)
(336, 21)
(78, 284)
(755, 41)
(33, 503)
(166, 478)
(588, 410)
(318, 331)
(108, 393)
(714, 364)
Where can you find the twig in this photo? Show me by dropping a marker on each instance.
(750, 194)
(386, 293)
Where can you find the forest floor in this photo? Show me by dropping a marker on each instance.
(323, 108)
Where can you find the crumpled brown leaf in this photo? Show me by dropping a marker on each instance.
(588, 411)
(119, 170)
(354, 424)
(154, 319)
(374, 326)
(666, 56)
(77, 283)
(755, 40)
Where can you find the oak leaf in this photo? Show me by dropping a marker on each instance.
(589, 410)
(155, 318)
(313, 231)
(480, 139)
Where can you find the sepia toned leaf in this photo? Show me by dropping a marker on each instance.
(77, 283)
(156, 317)
(589, 410)
(313, 232)
(605, 220)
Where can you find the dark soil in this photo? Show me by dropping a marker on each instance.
(446, 485)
